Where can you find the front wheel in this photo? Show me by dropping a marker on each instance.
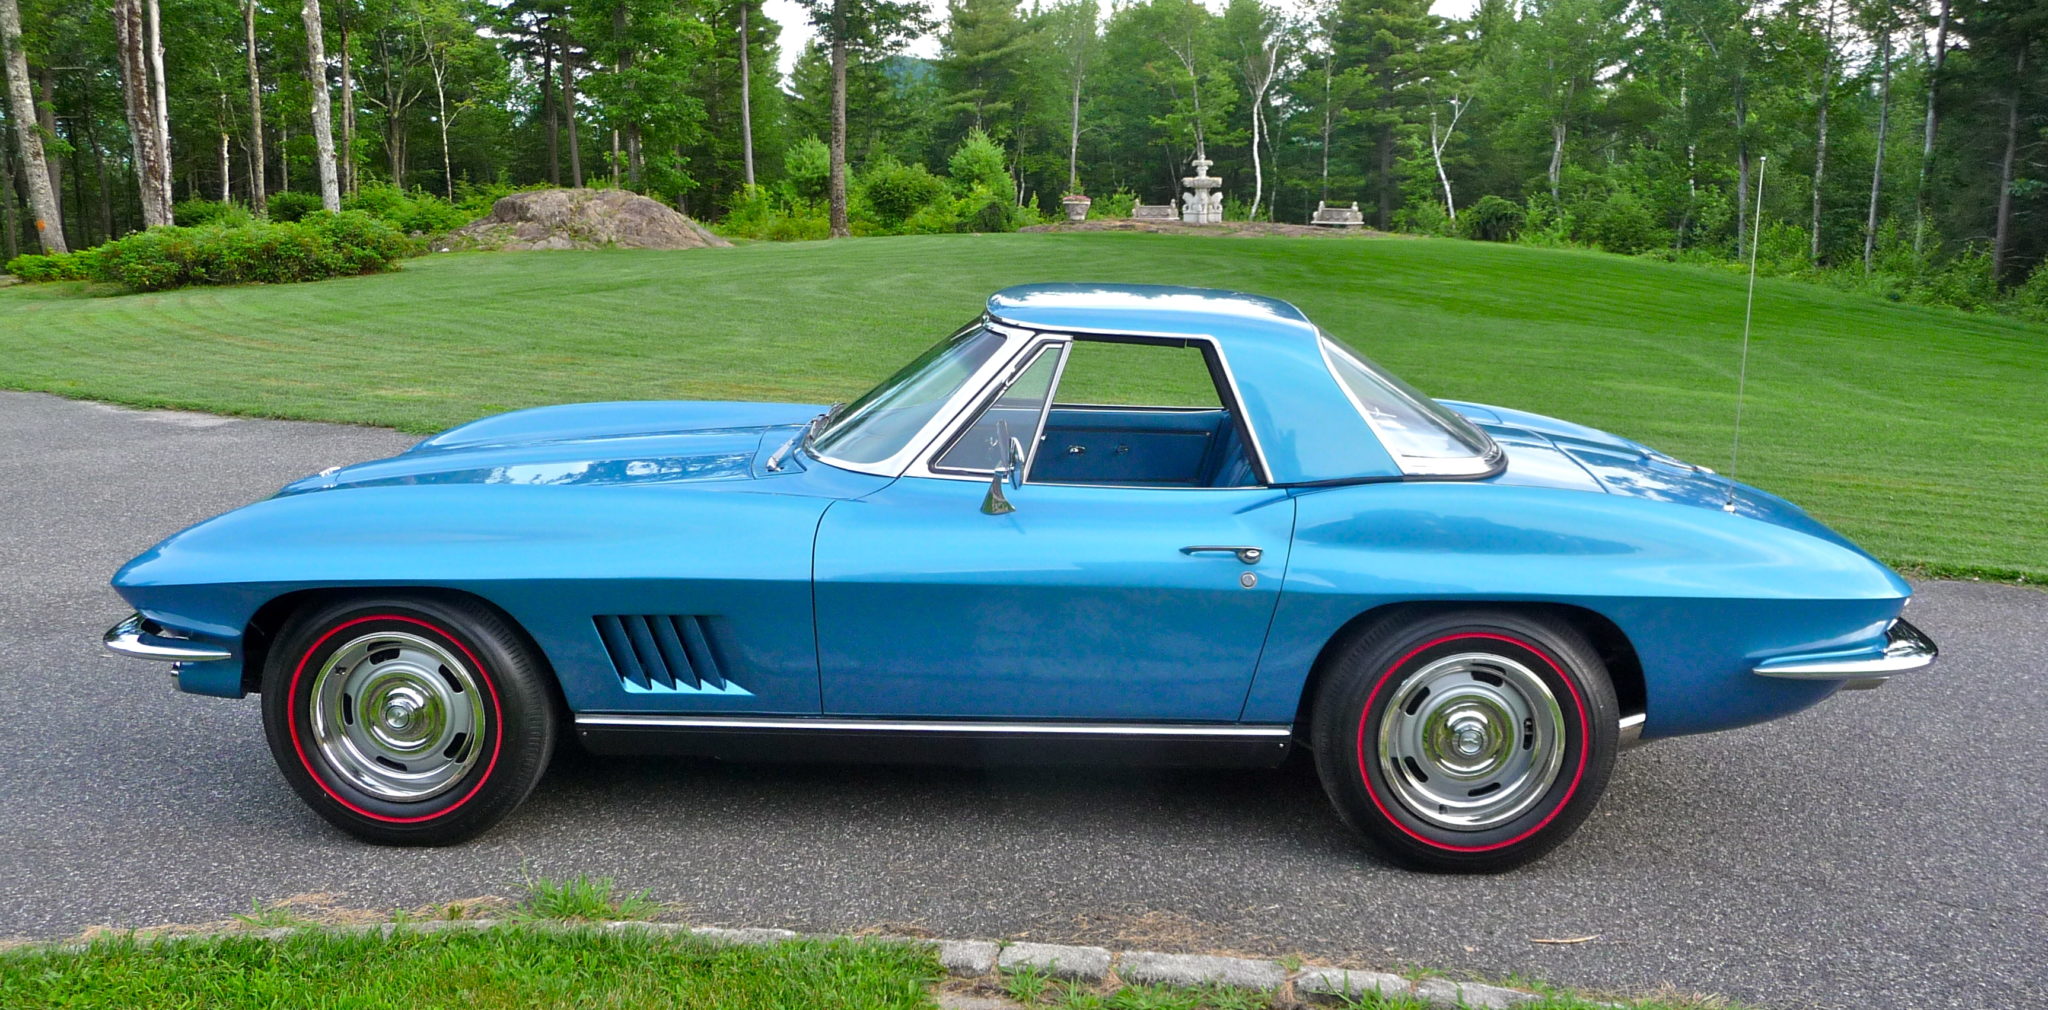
(1466, 741)
(407, 720)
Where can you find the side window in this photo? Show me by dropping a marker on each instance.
(1137, 375)
(979, 448)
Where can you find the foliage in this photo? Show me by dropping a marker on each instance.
(36, 268)
(895, 191)
(2030, 301)
(320, 246)
(587, 899)
(1115, 206)
(415, 212)
(760, 213)
(191, 213)
(1492, 219)
(979, 161)
(1621, 224)
(808, 166)
(292, 205)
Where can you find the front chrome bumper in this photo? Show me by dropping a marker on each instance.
(1906, 648)
(131, 637)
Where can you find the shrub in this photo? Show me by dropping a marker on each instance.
(979, 161)
(1622, 225)
(896, 191)
(760, 213)
(33, 268)
(808, 164)
(1964, 282)
(2030, 300)
(412, 212)
(1114, 206)
(291, 205)
(276, 252)
(190, 213)
(1493, 219)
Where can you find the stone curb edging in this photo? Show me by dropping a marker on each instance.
(969, 959)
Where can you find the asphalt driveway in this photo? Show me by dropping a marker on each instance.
(1887, 849)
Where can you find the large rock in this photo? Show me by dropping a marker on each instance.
(581, 219)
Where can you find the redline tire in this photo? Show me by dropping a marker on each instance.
(1470, 741)
(408, 720)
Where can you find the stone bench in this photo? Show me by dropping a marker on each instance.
(1155, 212)
(1337, 217)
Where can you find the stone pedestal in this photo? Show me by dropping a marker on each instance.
(1203, 201)
(1076, 207)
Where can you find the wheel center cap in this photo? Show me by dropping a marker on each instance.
(399, 714)
(1470, 740)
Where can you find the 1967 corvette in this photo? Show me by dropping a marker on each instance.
(1098, 522)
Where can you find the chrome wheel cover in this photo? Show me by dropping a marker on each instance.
(397, 716)
(1471, 741)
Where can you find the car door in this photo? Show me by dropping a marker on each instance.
(1087, 602)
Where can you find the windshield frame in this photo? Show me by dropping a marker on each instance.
(1483, 464)
(961, 398)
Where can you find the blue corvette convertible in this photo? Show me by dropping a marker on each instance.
(1099, 522)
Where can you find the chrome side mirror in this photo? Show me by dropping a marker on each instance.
(1011, 468)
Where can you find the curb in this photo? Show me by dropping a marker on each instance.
(976, 959)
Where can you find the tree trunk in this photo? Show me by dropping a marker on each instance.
(746, 97)
(161, 106)
(1557, 135)
(569, 114)
(1074, 139)
(46, 117)
(440, 71)
(836, 165)
(28, 140)
(1385, 218)
(346, 167)
(1741, 170)
(1820, 129)
(2001, 243)
(259, 200)
(323, 125)
(152, 161)
(1884, 118)
(550, 114)
(227, 166)
(10, 214)
(1328, 63)
(1927, 140)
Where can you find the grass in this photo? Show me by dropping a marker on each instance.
(1916, 430)
(497, 969)
(584, 899)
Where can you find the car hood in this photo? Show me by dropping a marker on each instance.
(1616, 465)
(630, 443)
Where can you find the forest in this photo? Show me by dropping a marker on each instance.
(1896, 144)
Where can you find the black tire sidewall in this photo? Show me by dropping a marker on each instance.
(518, 738)
(1366, 673)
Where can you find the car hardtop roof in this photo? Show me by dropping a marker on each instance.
(1150, 309)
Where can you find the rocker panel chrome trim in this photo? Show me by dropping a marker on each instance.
(955, 726)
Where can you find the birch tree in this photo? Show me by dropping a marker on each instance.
(42, 200)
(323, 127)
(141, 52)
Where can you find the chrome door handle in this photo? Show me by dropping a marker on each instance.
(1248, 555)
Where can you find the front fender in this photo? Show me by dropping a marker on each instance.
(1702, 595)
(551, 557)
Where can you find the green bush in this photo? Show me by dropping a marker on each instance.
(760, 213)
(411, 212)
(896, 191)
(979, 161)
(808, 164)
(1623, 225)
(276, 252)
(2030, 300)
(33, 268)
(291, 205)
(191, 213)
(1493, 219)
(1964, 282)
(1115, 206)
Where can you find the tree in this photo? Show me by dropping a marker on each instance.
(140, 41)
(323, 130)
(42, 200)
(848, 28)
(1070, 29)
(1381, 42)
(1883, 23)
(258, 199)
(1253, 31)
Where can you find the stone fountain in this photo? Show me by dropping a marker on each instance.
(1203, 201)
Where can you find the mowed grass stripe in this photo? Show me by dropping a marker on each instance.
(1915, 430)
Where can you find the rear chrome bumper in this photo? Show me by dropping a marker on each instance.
(1906, 648)
(132, 637)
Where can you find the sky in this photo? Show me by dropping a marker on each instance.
(796, 30)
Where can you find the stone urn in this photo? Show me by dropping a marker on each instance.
(1076, 206)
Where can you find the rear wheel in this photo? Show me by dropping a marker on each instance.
(407, 720)
(1465, 741)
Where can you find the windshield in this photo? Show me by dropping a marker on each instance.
(1425, 437)
(884, 420)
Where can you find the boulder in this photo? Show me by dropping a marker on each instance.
(581, 219)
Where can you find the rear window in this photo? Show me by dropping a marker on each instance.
(1426, 438)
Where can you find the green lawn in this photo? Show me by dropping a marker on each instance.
(1916, 430)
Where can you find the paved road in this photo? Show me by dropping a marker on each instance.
(1883, 850)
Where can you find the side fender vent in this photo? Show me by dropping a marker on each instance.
(665, 654)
